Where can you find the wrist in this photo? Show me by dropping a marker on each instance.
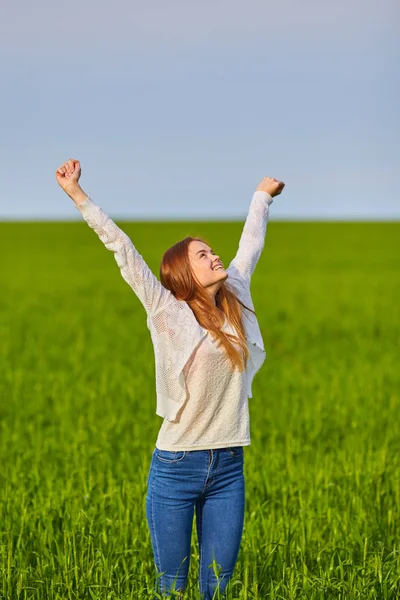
(264, 195)
(75, 192)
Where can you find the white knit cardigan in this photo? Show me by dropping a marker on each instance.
(174, 330)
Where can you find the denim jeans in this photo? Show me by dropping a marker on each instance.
(212, 483)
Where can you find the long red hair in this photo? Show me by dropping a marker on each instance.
(177, 276)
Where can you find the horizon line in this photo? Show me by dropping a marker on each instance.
(302, 219)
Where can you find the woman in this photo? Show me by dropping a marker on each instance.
(208, 347)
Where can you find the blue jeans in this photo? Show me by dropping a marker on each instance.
(212, 482)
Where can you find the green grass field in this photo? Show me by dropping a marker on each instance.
(78, 423)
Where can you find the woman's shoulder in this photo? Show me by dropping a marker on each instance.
(176, 315)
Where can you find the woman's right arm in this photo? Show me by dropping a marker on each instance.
(152, 294)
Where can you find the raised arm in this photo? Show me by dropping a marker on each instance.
(151, 293)
(252, 239)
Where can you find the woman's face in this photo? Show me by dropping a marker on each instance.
(206, 265)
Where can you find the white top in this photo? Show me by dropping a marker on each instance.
(174, 330)
(216, 412)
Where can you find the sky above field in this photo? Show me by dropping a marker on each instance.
(177, 109)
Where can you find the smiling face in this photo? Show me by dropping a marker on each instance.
(206, 266)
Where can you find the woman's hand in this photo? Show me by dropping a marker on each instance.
(67, 177)
(272, 186)
(68, 174)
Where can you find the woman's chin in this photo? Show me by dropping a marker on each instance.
(224, 275)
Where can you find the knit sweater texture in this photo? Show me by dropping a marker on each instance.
(184, 351)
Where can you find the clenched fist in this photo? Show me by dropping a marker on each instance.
(67, 177)
(270, 185)
(68, 174)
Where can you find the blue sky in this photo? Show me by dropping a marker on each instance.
(177, 109)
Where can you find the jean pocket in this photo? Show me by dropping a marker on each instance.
(236, 451)
(170, 456)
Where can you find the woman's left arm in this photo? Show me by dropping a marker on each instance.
(252, 239)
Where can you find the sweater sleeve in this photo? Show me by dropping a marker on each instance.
(151, 293)
(252, 239)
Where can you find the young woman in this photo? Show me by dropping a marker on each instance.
(208, 347)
